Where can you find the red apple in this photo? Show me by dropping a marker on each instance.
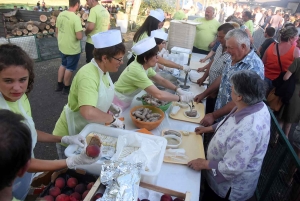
(72, 182)
(62, 197)
(80, 188)
(54, 191)
(92, 151)
(76, 195)
(47, 198)
(90, 185)
(96, 196)
(60, 182)
(85, 194)
(166, 197)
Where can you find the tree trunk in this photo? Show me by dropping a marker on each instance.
(51, 31)
(78, 14)
(47, 27)
(43, 18)
(45, 32)
(30, 34)
(42, 26)
(19, 33)
(35, 30)
(25, 31)
(135, 10)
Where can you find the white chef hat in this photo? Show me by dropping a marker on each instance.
(143, 46)
(186, 7)
(159, 34)
(157, 14)
(107, 38)
(160, 11)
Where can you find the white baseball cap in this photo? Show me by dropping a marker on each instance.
(157, 14)
(159, 34)
(107, 38)
(143, 46)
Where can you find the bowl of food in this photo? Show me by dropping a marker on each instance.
(146, 116)
(149, 100)
(173, 141)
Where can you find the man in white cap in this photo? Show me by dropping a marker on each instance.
(98, 21)
(92, 90)
(182, 14)
(206, 32)
(69, 34)
(139, 75)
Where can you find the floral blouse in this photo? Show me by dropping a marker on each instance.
(237, 150)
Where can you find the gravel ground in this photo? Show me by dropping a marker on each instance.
(46, 104)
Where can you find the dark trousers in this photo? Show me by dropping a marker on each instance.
(209, 108)
(210, 195)
(89, 48)
(196, 50)
(130, 60)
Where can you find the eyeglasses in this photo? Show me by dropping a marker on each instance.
(119, 60)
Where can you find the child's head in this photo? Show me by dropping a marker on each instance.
(270, 31)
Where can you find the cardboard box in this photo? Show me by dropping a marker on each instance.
(186, 196)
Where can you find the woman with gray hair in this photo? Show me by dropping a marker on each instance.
(239, 144)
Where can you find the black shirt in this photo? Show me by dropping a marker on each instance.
(265, 46)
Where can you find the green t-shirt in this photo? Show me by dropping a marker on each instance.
(179, 15)
(84, 91)
(68, 23)
(205, 33)
(249, 25)
(101, 18)
(14, 106)
(134, 77)
(15, 199)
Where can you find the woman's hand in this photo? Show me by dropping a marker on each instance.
(199, 164)
(201, 69)
(74, 139)
(200, 130)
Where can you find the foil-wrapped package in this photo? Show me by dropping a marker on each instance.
(121, 179)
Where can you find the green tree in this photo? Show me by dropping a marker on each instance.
(166, 5)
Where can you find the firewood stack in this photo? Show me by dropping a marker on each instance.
(45, 27)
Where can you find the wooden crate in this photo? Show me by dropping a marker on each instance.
(186, 196)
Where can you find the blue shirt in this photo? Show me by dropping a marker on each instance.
(250, 62)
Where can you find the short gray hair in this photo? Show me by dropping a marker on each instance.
(212, 8)
(249, 85)
(240, 36)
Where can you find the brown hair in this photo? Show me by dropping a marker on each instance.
(287, 33)
(13, 55)
(109, 51)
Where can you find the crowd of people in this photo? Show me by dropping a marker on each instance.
(236, 125)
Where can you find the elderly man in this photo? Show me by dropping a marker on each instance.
(215, 67)
(242, 58)
(206, 32)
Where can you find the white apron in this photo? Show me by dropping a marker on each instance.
(21, 185)
(123, 100)
(105, 97)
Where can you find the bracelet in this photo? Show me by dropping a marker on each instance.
(178, 98)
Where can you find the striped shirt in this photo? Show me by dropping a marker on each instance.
(218, 64)
(250, 62)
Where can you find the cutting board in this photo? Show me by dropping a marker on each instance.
(193, 146)
(180, 116)
(194, 65)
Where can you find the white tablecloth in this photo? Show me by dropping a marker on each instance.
(173, 176)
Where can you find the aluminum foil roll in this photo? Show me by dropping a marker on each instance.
(121, 179)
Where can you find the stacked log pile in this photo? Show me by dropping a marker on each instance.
(45, 27)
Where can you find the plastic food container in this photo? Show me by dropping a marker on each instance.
(147, 176)
(173, 141)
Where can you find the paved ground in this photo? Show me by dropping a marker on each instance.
(46, 104)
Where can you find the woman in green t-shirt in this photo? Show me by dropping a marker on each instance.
(16, 81)
(139, 75)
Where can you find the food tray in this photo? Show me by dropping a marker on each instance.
(193, 146)
(180, 116)
(95, 168)
(194, 65)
